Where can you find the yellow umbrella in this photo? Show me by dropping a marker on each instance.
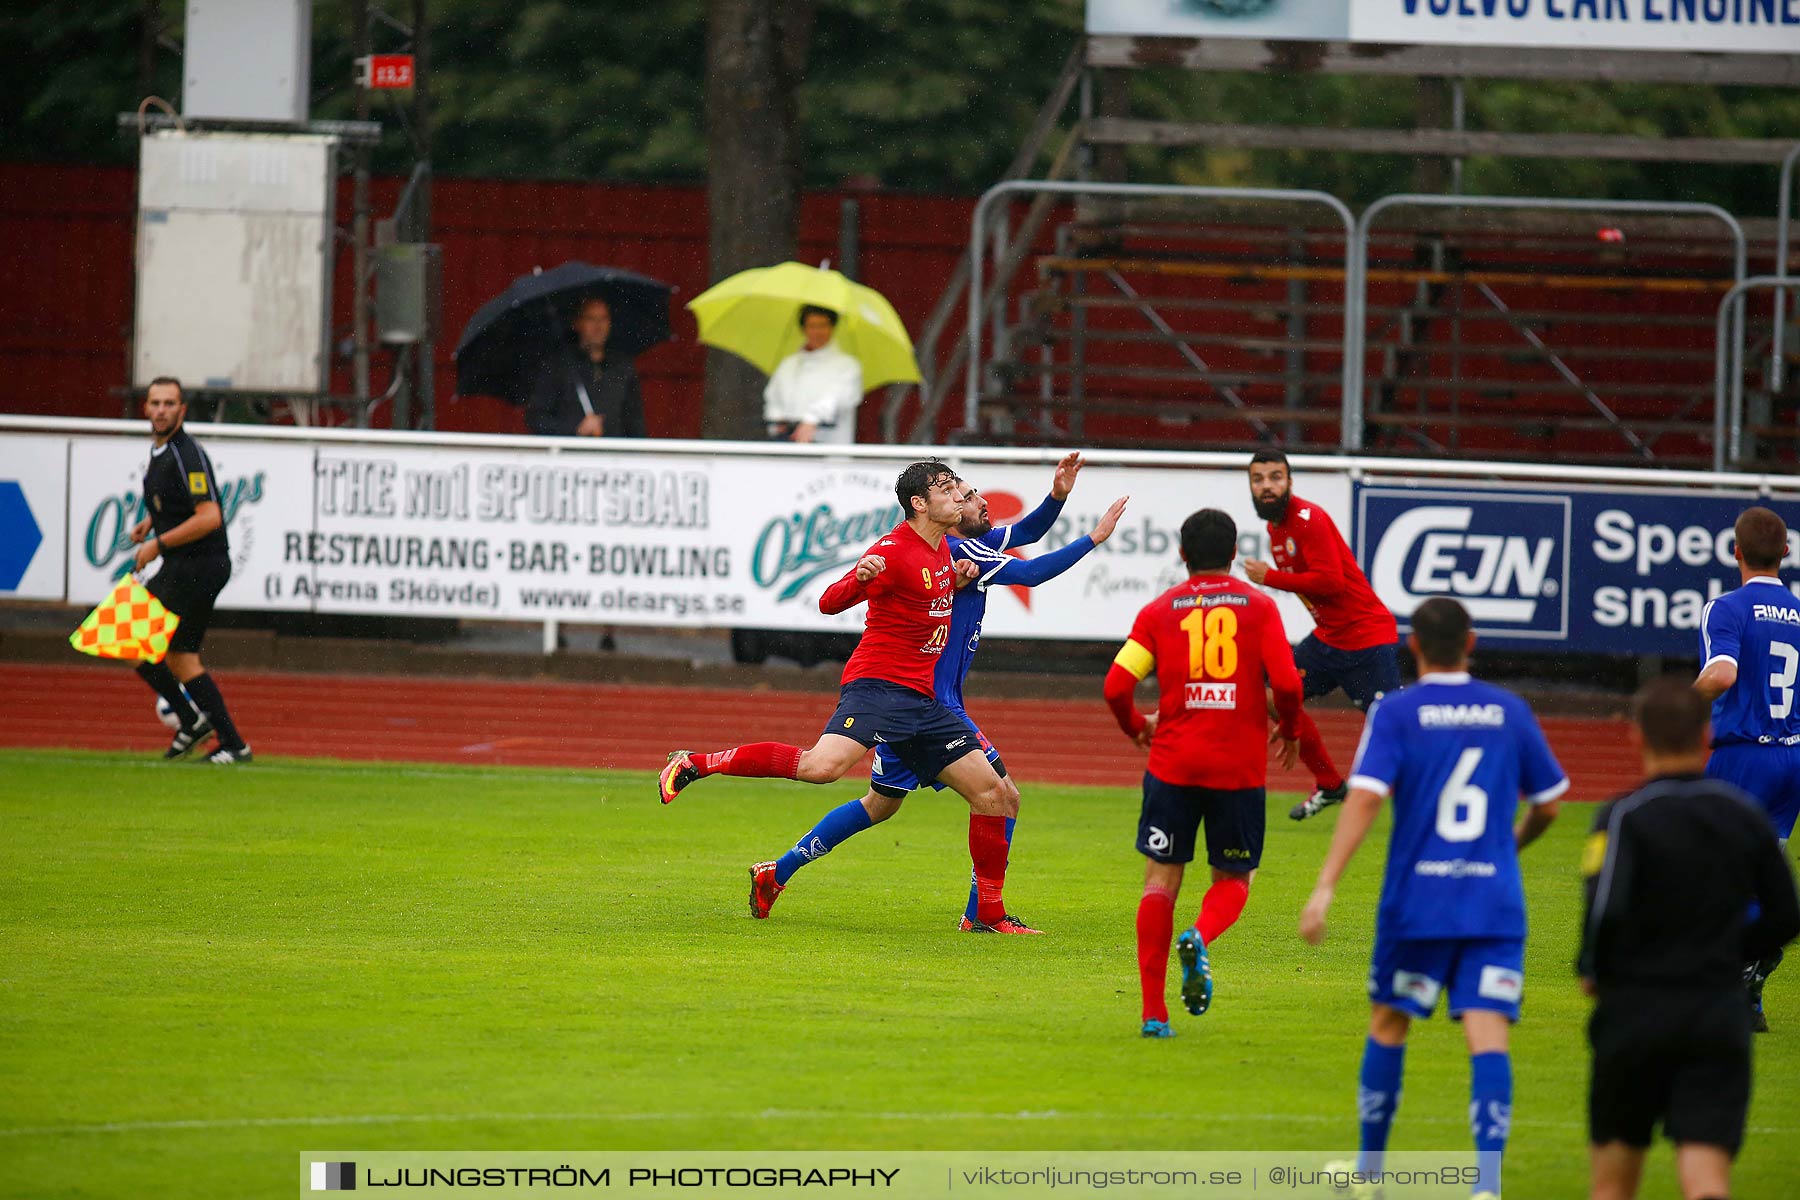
(756, 315)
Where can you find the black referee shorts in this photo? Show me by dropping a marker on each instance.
(187, 587)
(1675, 1057)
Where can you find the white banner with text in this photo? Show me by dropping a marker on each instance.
(630, 538)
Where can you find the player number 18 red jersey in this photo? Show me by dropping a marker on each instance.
(1212, 642)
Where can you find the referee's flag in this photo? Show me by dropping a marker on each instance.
(130, 624)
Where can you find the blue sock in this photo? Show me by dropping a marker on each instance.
(1377, 1098)
(843, 822)
(969, 912)
(1490, 1113)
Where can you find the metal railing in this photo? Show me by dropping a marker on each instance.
(1728, 368)
(978, 237)
(1784, 208)
(1356, 289)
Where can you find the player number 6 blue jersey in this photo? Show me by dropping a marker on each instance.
(1455, 755)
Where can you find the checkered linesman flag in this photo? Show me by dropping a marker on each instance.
(130, 624)
(334, 1177)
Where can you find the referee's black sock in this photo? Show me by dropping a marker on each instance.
(162, 681)
(206, 694)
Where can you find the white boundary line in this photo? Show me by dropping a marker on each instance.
(770, 1114)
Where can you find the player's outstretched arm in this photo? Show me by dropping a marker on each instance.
(853, 588)
(1029, 572)
(1133, 663)
(1035, 524)
(1353, 825)
(1285, 689)
(1720, 642)
(1541, 778)
(1535, 821)
(1719, 677)
(1327, 576)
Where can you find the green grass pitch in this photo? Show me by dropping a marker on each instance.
(206, 972)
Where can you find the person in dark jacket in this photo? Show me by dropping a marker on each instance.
(583, 392)
(1685, 883)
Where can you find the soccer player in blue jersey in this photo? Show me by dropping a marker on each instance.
(979, 548)
(1454, 754)
(1750, 657)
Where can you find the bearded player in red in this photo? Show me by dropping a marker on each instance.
(1214, 642)
(888, 694)
(1355, 643)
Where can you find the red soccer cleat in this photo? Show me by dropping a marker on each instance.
(763, 890)
(678, 774)
(1006, 924)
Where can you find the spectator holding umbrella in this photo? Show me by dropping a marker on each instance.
(561, 342)
(823, 340)
(815, 392)
(581, 392)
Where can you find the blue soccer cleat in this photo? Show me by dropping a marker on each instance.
(1196, 972)
(1157, 1029)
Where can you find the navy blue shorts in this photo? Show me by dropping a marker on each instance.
(1770, 774)
(890, 777)
(1365, 675)
(1172, 816)
(1484, 973)
(922, 732)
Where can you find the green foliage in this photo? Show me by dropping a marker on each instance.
(211, 971)
(931, 95)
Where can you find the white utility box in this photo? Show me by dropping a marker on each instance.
(234, 261)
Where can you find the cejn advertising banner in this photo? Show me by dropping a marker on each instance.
(629, 538)
(1609, 571)
(1753, 26)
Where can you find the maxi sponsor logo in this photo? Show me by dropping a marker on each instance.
(1505, 558)
(1631, 575)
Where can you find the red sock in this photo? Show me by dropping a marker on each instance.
(1155, 925)
(1314, 755)
(987, 849)
(758, 760)
(1220, 908)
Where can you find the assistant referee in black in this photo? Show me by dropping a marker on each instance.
(1673, 872)
(186, 529)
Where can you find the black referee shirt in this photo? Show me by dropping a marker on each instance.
(1672, 870)
(179, 477)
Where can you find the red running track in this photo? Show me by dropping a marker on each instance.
(545, 724)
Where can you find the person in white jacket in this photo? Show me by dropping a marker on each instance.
(813, 395)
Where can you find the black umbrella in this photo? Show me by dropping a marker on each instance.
(510, 337)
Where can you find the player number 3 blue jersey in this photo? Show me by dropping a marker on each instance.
(1455, 755)
(1758, 628)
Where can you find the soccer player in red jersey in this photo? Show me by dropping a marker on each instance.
(888, 698)
(1214, 642)
(1355, 643)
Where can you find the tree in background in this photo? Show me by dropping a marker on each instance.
(755, 61)
(923, 95)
